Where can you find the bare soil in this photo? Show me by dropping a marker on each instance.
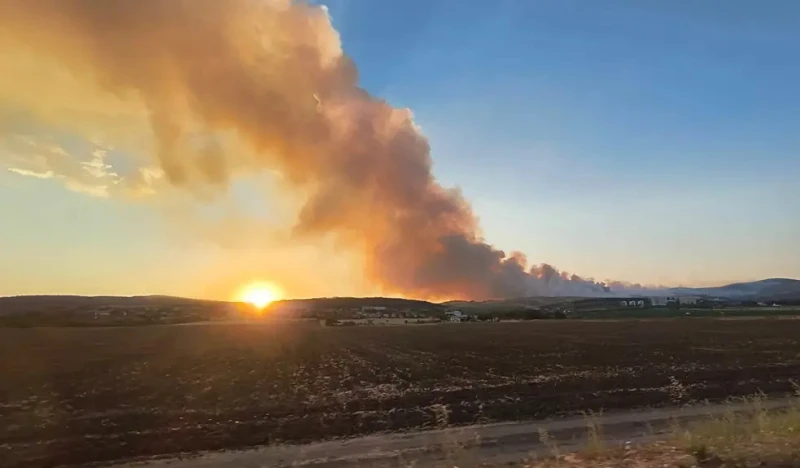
(73, 396)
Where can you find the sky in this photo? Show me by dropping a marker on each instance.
(650, 142)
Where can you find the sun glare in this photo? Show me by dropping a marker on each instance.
(260, 295)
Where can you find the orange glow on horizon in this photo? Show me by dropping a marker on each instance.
(259, 294)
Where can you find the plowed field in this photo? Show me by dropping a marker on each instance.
(72, 396)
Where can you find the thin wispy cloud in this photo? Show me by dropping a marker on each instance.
(43, 157)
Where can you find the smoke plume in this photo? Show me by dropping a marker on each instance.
(272, 73)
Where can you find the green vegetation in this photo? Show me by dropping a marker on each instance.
(666, 312)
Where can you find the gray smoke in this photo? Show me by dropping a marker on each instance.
(273, 72)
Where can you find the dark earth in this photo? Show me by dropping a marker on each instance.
(79, 395)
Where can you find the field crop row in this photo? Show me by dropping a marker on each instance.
(84, 395)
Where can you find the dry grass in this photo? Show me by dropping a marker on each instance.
(655, 455)
(595, 444)
(753, 438)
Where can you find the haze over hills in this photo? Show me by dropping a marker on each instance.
(347, 302)
(767, 289)
(42, 303)
(772, 289)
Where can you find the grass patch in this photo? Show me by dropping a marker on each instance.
(595, 445)
(756, 437)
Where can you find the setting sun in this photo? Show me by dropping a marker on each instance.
(260, 294)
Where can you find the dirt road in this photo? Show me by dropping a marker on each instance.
(463, 446)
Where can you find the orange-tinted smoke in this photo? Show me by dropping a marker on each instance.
(274, 73)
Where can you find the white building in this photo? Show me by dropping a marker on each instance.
(455, 315)
(688, 300)
(663, 301)
(659, 301)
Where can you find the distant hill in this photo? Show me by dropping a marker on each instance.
(33, 304)
(518, 302)
(357, 302)
(772, 289)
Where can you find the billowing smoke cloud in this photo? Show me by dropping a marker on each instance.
(273, 75)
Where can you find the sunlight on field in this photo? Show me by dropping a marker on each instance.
(259, 294)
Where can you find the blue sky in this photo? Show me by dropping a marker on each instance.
(653, 142)
(649, 141)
